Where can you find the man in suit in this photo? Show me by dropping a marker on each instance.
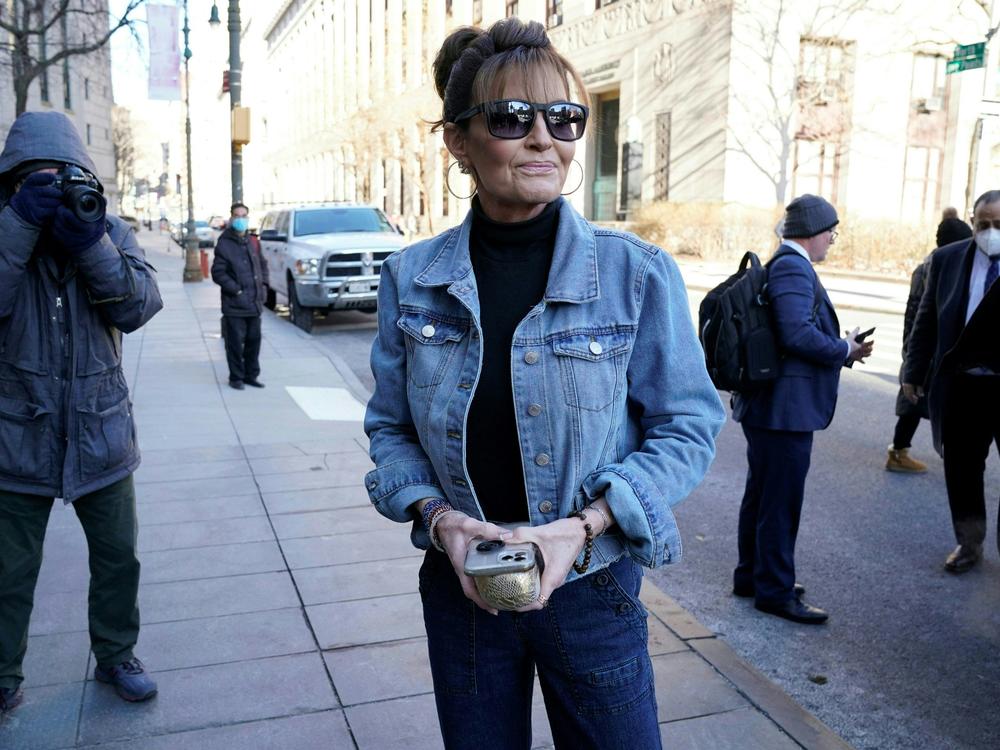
(779, 419)
(953, 351)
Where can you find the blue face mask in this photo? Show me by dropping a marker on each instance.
(240, 223)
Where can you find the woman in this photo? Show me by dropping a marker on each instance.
(530, 365)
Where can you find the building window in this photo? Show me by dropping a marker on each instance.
(926, 135)
(86, 89)
(448, 6)
(604, 3)
(511, 8)
(67, 93)
(553, 13)
(88, 134)
(662, 183)
(817, 168)
(477, 11)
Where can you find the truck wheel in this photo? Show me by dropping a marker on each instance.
(301, 317)
(270, 300)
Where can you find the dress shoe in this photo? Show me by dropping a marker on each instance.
(747, 592)
(237, 384)
(255, 383)
(963, 558)
(899, 460)
(795, 610)
(10, 698)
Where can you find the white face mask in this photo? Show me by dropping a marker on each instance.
(988, 241)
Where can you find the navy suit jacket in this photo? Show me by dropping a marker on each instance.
(804, 395)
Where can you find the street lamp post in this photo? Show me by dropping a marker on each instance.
(235, 86)
(192, 264)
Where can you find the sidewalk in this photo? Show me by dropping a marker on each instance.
(279, 609)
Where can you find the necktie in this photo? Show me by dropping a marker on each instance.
(992, 273)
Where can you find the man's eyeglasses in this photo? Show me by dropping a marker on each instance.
(834, 234)
(511, 119)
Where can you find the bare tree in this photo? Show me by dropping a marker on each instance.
(123, 141)
(85, 25)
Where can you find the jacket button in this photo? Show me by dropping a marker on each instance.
(545, 506)
(531, 357)
(595, 348)
(427, 331)
(542, 459)
(602, 579)
(624, 609)
(534, 409)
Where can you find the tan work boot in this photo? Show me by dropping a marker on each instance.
(899, 460)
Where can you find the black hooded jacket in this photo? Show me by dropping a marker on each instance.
(66, 426)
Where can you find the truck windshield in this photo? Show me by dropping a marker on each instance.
(327, 220)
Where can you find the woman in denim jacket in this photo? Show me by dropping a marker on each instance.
(530, 365)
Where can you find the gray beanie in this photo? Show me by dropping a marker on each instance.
(809, 215)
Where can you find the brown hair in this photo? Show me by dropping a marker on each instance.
(474, 64)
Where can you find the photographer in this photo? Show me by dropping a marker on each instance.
(72, 280)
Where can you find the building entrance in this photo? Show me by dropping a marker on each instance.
(605, 185)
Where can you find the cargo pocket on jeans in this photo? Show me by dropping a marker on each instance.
(106, 437)
(24, 448)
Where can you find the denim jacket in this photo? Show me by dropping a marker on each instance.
(611, 393)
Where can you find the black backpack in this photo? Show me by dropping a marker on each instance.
(734, 326)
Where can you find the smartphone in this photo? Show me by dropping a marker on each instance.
(489, 557)
(864, 334)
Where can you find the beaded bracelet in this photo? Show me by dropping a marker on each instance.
(588, 545)
(433, 528)
(431, 507)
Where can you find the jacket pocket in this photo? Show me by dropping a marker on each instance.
(106, 438)
(24, 447)
(431, 342)
(591, 365)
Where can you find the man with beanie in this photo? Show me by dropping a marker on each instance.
(953, 352)
(951, 229)
(72, 281)
(779, 419)
(239, 269)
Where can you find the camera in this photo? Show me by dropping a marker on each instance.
(81, 193)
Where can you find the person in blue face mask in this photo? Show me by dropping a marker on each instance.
(239, 269)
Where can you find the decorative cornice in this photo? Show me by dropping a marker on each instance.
(617, 20)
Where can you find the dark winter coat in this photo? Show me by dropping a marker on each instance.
(918, 282)
(240, 269)
(66, 426)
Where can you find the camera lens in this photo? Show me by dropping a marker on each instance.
(85, 202)
(489, 546)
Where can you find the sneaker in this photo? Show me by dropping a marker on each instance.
(10, 698)
(899, 460)
(130, 679)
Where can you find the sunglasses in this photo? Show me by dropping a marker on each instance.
(511, 119)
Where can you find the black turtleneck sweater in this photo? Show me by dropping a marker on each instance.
(511, 263)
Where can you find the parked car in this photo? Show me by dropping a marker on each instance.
(132, 222)
(325, 257)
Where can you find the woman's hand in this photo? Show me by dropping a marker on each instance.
(560, 543)
(455, 531)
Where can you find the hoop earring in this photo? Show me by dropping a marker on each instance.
(447, 181)
(580, 183)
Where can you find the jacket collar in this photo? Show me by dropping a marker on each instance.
(572, 275)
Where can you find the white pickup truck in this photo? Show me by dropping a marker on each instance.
(325, 257)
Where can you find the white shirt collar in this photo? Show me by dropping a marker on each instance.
(797, 248)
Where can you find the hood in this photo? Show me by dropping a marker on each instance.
(50, 136)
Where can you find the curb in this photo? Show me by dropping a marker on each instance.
(804, 728)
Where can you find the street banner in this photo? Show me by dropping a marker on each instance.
(164, 52)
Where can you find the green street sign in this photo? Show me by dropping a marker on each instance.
(967, 57)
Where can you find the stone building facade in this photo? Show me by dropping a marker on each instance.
(718, 101)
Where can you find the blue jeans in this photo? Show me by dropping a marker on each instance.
(588, 644)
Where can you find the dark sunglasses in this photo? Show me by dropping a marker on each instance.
(511, 119)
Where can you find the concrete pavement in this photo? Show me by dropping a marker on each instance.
(279, 610)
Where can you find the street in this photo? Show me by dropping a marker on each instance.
(870, 551)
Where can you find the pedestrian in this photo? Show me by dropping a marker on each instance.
(779, 419)
(534, 369)
(951, 229)
(239, 269)
(72, 281)
(953, 354)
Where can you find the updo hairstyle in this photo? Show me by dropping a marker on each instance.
(474, 65)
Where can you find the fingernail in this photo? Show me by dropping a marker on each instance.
(494, 612)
